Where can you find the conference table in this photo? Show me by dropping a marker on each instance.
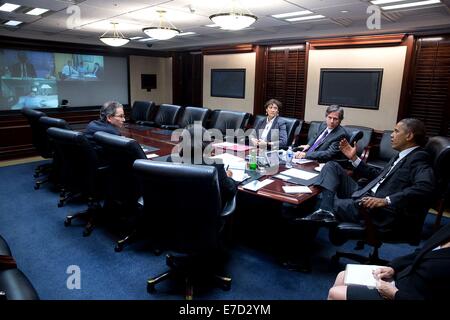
(162, 139)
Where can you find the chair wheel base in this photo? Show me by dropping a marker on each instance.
(67, 222)
(118, 248)
(151, 288)
(87, 232)
(36, 186)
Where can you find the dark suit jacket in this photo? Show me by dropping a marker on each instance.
(277, 124)
(16, 70)
(409, 185)
(98, 125)
(425, 274)
(328, 149)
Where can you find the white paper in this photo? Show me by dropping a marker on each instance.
(239, 175)
(228, 159)
(151, 155)
(301, 161)
(361, 274)
(284, 178)
(255, 185)
(296, 189)
(223, 144)
(301, 174)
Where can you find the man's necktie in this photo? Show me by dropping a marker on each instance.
(381, 176)
(318, 141)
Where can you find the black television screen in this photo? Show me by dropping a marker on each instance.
(357, 88)
(228, 83)
(148, 81)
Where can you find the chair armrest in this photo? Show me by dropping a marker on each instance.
(149, 123)
(7, 262)
(170, 126)
(229, 208)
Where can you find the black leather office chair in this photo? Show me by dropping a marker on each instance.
(81, 172)
(362, 147)
(122, 191)
(380, 157)
(190, 225)
(37, 139)
(190, 115)
(142, 111)
(47, 148)
(14, 285)
(166, 116)
(368, 233)
(226, 119)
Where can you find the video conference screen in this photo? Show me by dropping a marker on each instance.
(38, 79)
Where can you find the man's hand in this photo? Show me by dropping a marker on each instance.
(372, 202)
(262, 143)
(300, 155)
(303, 147)
(383, 273)
(229, 173)
(348, 150)
(386, 289)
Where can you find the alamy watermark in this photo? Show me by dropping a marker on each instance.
(74, 279)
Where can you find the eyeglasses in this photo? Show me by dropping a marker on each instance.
(120, 116)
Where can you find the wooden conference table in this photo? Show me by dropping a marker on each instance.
(161, 139)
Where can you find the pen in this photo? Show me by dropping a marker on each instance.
(227, 167)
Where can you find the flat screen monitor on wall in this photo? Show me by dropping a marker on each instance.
(40, 79)
(228, 83)
(356, 88)
(148, 81)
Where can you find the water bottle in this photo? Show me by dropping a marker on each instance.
(252, 164)
(289, 156)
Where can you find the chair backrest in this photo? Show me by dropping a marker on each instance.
(385, 151)
(45, 122)
(192, 114)
(439, 148)
(191, 223)
(313, 128)
(142, 110)
(120, 154)
(227, 119)
(79, 160)
(33, 117)
(364, 142)
(291, 127)
(167, 114)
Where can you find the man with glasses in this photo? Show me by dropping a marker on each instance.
(111, 120)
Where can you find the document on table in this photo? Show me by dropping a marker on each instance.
(235, 164)
(151, 155)
(301, 161)
(301, 174)
(361, 274)
(296, 189)
(255, 185)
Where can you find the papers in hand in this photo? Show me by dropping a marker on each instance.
(301, 174)
(234, 164)
(301, 161)
(361, 275)
(151, 155)
(255, 185)
(296, 189)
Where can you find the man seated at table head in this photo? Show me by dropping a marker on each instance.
(111, 120)
(324, 145)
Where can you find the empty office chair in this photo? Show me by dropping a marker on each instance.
(226, 119)
(122, 191)
(37, 139)
(189, 226)
(408, 231)
(14, 285)
(362, 147)
(166, 115)
(380, 157)
(81, 172)
(190, 115)
(142, 111)
(312, 131)
(47, 147)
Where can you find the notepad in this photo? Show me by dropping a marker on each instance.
(301, 174)
(255, 185)
(296, 189)
(361, 275)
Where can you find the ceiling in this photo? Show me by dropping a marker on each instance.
(83, 21)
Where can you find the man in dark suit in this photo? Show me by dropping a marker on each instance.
(23, 68)
(111, 120)
(400, 192)
(421, 275)
(324, 146)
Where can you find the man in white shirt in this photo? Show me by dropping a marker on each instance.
(68, 71)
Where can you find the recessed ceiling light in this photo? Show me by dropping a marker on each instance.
(317, 16)
(432, 39)
(212, 25)
(411, 4)
(147, 39)
(12, 23)
(186, 34)
(135, 38)
(385, 1)
(9, 7)
(291, 14)
(344, 11)
(37, 11)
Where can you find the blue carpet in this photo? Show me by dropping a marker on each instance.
(32, 224)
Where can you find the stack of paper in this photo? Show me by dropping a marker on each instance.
(255, 185)
(296, 189)
(235, 164)
(301, 174)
